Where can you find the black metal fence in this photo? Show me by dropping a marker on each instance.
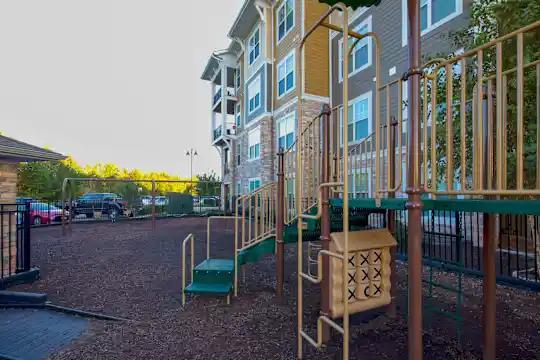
(89, 209)
(454, 241)
(14, 239)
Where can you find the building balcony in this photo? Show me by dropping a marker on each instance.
(220, 134)
(227, 94)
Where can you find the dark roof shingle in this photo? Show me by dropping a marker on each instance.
(21, 151)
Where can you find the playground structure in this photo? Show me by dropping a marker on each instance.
(310, 201)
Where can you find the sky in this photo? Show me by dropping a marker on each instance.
(113, 80)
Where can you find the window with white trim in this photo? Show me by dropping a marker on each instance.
(433, 13)
(238, 115)
(254, 93)
(254, 184)
(285, 19)
(238, 154)
(254, 45)
(361, 55)
(359, 119)
(285, 130)
(254, 143)
(239, 188)
(286, 75)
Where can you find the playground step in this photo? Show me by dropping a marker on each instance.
(209, 289)
(254, 253)
(216, 265)
(214, 271)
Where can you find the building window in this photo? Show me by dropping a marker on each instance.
(285, 19)
(254, 45)
(239, 188)
(254, 184)
(433, 13)
(254, 93)
(254, 142)
(238, 154)
(238, 77)
(238, 116)
(285, 128)
(361, 55)
(359, 119)
(286, 75)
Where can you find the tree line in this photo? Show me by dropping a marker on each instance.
(43, 181)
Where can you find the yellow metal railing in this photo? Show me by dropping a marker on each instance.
(255, 221)
(190, 238)
(208, 230)
(311, 163)
(484, 95)
(300, 169)
(369, 164)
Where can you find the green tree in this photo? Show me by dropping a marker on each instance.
(208, 184)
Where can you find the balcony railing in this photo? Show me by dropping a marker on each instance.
(217, 96)
(229, 92)
(217, 132)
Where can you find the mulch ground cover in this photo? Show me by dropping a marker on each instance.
(129, 270)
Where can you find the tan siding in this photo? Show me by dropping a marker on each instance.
(316, 53)
(268, 34)
(285, 46)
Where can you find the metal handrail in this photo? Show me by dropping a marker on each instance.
(319, 201)
(192, 262)
(267, 218)
(208, 222)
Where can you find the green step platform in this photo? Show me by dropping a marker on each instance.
(215, 277)
(212, 277)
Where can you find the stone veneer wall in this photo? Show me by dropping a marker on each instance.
(8, 193)
(261, 168)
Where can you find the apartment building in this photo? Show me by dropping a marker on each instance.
(253, 81)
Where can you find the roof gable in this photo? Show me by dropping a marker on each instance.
(24, 152)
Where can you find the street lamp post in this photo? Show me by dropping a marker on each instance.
(191, 153)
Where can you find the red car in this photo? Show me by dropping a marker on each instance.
(42, 213)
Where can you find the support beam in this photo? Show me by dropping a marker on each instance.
(325, 221)
(280, 226)
(414, 204)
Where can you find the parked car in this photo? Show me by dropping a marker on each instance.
(106, 203)
(42, 213)
(25, 199)
(145, 200)
(160, 201)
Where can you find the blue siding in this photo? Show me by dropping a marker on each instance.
(260, 74)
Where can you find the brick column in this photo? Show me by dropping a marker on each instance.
(8, 193)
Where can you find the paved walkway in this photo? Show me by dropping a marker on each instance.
(29, 334)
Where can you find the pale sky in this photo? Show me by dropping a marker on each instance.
(112, 80)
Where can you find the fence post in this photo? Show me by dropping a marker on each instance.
(459, 238)
(280, 226)
(391, 220)
(26, 239)
(153, 204)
